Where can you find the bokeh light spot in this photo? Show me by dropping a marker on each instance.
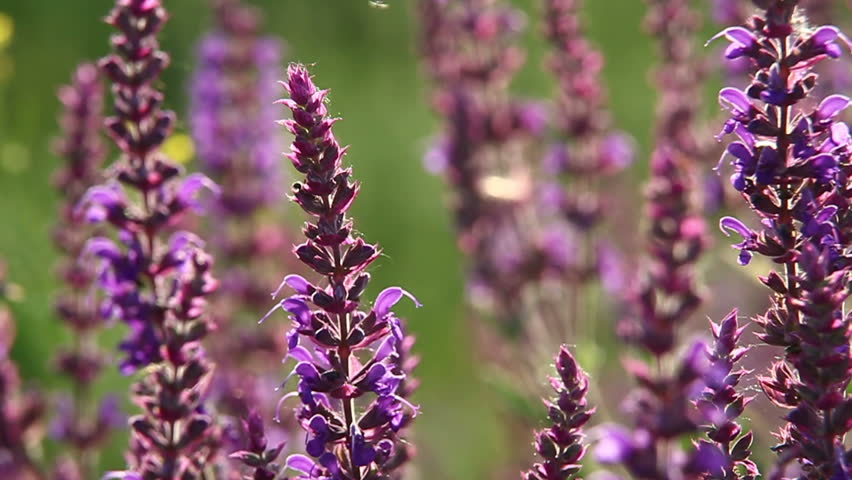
(7, 29)
(179, 148)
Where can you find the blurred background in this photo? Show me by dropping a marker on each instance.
(368, 58)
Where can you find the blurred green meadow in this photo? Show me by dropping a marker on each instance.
(368, 58)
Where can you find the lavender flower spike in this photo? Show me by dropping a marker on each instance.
(20, 412)
(722, 404)
(80, 427)
(561, 446)
(791, 163)
(155, 279)
(257, 455)
(232, 119)
(662, 405)
(344, 352)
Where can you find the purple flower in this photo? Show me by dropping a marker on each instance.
(666, 292)
(21, 412)
(792, 169)
(561, 447)
(256, 455)
(589, 149)
(154, 280)
(344, 352)
(732, 225)
(232, 122)
(721, 403)
(478, 151)
(82, 150)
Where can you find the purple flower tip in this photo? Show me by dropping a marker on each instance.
(831, 106)
(389, 297)
(731, 224)
(738, 35)
(297, 283)
(735, 100)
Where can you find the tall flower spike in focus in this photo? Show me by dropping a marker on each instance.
(561, 446)
(79, 426)
(154, 279)
(233, 125)
(348, 357)
(791, 162)
(722, 403)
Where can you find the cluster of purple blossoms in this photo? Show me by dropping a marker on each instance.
(561, 446)
(791, 165)
(526, 226)
(232, 115)
(350, 362)
(257, 455)
(82, 148)
(470, 52)
(238, 142)
(663, 405)
(667, 294)
(20, 412)
(588, 150)
(154, 280)
(721, 403)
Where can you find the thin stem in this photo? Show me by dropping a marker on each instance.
(345, 352)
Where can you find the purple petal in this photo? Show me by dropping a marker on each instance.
(98, 200)
(301, 463)
(102, 247)
(738, 35)
(831, 106)
(614, 446)
(192, 185)
(735, 100)
(734, 225)
(387, 347)
(826, 213)
(297, 283)
(388, 298)
(740, 151)
(825, 34)
(299, 308)
(301, 354)
(363, 453)
(744, 257)
(376, 373)
(307, 371)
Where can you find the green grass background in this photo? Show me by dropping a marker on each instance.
(367, 57)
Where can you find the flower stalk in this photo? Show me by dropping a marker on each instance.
(154, 278)
(791, 165)
(83, 429)
(349, 359)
